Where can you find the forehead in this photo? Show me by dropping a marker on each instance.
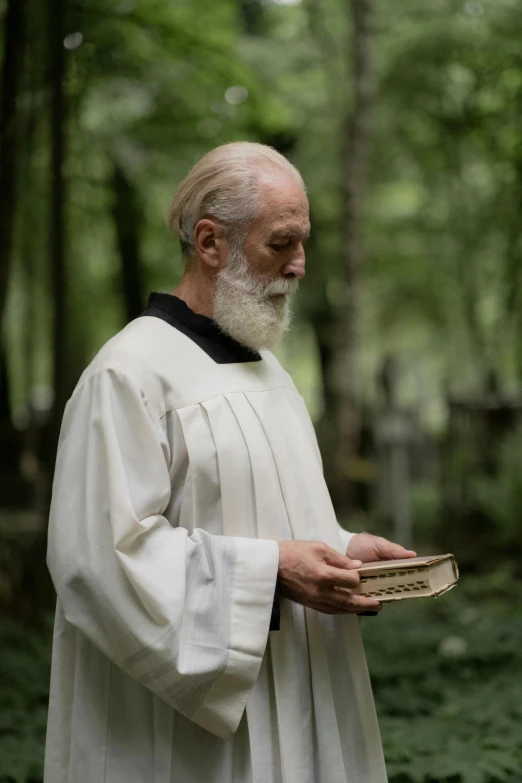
(285, 207)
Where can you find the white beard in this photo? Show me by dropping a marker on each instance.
(254, 311)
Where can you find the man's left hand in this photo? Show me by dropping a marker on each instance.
(368, 548)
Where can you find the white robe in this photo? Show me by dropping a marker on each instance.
(175, 478)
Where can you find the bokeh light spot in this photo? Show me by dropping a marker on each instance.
(73, 41)
(236, 94)
(473, 8)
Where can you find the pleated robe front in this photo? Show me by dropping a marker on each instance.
(175, 478)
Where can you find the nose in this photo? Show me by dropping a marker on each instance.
(295, 267)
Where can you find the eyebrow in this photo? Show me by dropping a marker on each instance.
(288, 233)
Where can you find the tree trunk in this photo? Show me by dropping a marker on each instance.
(323, 322)
(5, 401)
(251, 16)
(14, 46)
(128, 221)
(357, 137)
(58, 220)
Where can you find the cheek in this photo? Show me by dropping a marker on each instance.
(263, 259)
(272, 261)
(273, 265)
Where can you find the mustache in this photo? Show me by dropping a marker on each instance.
(282, 286)
(247, 282)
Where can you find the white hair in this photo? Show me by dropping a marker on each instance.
(225, 184)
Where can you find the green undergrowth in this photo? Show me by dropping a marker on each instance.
(447, 678)
(24, 684)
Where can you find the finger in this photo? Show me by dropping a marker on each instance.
(331, 608)
(339, 577)
(334, 558)
(325, 608)
(363, 603)
(349, 602)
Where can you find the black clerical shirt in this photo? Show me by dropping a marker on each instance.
(219, 346)
(202, 330)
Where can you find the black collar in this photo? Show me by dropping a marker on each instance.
(222, 348)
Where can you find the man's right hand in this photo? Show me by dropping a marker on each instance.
(315, 575)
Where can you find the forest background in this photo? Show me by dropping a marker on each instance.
(405, 120)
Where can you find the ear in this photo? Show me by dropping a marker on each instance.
(210, 243)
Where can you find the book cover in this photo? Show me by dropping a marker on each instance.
(416, 577)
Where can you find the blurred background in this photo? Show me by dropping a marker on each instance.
(406, 123)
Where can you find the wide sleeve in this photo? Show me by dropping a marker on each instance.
(346, 537)
(185, 615)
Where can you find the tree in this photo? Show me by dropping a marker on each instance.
(345, 364)
(12, 71)
(128, 223)
(57, 10)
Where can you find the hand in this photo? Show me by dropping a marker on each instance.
(313, 574)
(368, 548)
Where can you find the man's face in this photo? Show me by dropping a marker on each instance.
(252, 293)
(274, 246)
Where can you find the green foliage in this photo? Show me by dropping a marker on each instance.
(446, 676)
(499, 497)
(425, 510)
(147, 86)
(24, 685)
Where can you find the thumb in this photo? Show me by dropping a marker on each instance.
(395, 551)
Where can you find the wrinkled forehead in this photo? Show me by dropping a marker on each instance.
(284, 208)
(289, 229)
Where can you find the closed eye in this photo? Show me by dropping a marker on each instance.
(279, 248)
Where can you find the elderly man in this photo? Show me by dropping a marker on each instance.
(190, 516)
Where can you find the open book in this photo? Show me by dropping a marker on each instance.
(415, 577)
